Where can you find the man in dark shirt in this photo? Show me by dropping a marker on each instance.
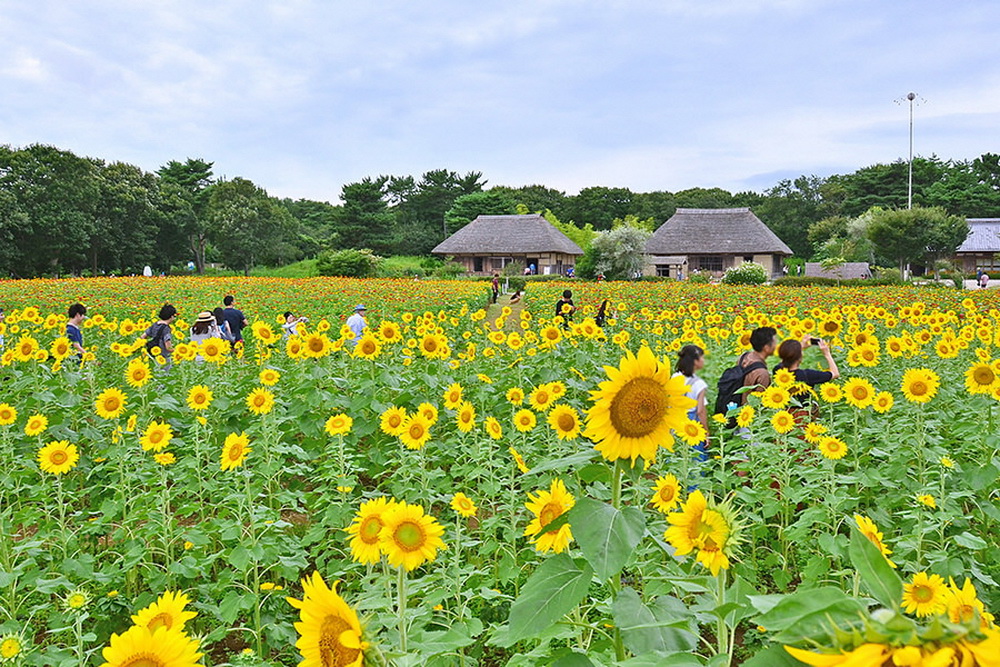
(234, 317)
(565, 307)
(77, 312)
(764, 341)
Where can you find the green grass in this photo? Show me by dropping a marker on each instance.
(303, 269)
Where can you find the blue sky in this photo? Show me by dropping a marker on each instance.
(303, 96)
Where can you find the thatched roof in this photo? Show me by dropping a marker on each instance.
(507, 235)
(715, 231)
(984, 236)
(845, 271)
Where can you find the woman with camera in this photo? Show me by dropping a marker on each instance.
(790, 353)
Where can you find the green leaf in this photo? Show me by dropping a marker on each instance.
(571, 462)
(573, 659)
(875, 572)
(970, 541)
(550, 593)
(773, 656)
(648, 630)
(606, 535)
(812, 613)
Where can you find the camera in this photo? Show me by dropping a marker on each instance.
(814, 341)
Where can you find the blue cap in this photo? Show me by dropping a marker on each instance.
(359, 307)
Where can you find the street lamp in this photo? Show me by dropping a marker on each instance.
(909, 185)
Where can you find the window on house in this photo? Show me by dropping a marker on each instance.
(477, 264)
(707, 263)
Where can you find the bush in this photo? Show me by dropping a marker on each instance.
(700, 277)
(348, 263)
(448, 271)
(516, 283)
(747, 273)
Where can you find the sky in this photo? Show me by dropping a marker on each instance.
(304, 96)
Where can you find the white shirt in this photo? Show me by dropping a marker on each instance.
(357, 324)
(695, 385)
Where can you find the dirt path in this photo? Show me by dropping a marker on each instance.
(493, 312)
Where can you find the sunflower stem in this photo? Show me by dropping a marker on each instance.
(616, 581)
(401, 591)
(722, 636)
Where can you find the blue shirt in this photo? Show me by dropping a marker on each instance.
(235, 319)
(74, 334)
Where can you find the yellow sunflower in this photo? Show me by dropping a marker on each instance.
(453, 396)
(980, 378)
(60, 348)
(696, 526)
(493, 428)
(782, 421)
(874, 535)
(269, 377)
(784, 378)
(565, 421)
(869, 655)
(365, 529)
(692, 432)
(8, 414)
(859, 392)
(832, 448)
(410, 538)
(925, 595)
(524, 420)
(137, 374)
(166, 647)
(110, 403)
(367, 348)
(157, 436)
(58, 457)
(813, 432)
(547, 506)
(636, 409)
(260, 401)
(36, 425)
(919, 385)
(199, 397)
(415, 432)
(329, 630)
(391, 421)
(550, 336)
(466, 417)
(462, 504)
(666, 493)
(389, 332)
(515, 395)
(519, 460)
(167, 612)
(541, 398)
(165, 458)
(434, 346)
(963, 604)
(429, 411)
(745, 416)
(316, 346)
(775, 397)
(830, 392)
(883, 402)
(338, 424)
(10, 647)
(235, 450)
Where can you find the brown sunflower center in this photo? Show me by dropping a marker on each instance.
(566, 422)
(667, 494)
(430, 345)
(368, 347)
(922, 594)
(918, 388)
(984, 375)
(235, 452)
(156, 436)
(143, 659)
(395, 420)
(58, 457)
(549, 513)
(111, 403)
(316, 344)
(416, 431)
(639, 407)
(331, 652)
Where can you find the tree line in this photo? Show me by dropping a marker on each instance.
(61, 213)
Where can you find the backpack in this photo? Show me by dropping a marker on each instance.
(156, 339)
(730, 383)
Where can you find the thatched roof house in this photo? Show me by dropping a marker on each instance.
(981, 248)
(491, 242)
(715, 239)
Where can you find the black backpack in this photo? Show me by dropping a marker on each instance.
(156, 338)
(730, 383)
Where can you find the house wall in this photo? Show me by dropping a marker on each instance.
(971, 262)
(545, 262)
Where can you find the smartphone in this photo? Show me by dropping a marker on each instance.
(814, 341)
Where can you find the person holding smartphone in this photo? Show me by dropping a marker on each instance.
(790, 353)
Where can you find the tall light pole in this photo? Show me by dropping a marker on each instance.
(909, 185)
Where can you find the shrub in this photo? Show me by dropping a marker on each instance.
(700, 277)
(348, 263)
(747, 273)
(448, 271)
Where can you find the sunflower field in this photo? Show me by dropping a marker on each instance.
(471, 484)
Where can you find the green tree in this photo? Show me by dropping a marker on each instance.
(598, 206)
(619, 253)
(468, 207)
(970, 189)
(789, 208)
(190, 181)
(912, 235)
(246, 224)
(419, 213)
(534, 198)
(582, 236)
(365, 220)
(885, 185)
(127, 219)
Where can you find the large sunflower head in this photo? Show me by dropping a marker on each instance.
(547, 506)
(466, 417)
(269, 377)
(883, 402)
(235, 450)
(524, 420)
(164, 647)
(157, 436)
(462, 504)
(110, 403)
(137, 374)
(260, 401)
(8, 414)
(36, 425)
(365, 529)
(368, 347)
(635, 410)
(565, 421)
(710, 529)
(429, 411)
(453, 396)
(980, 378)
(391, 421)
(58, 457)
(167, 612)
(783, 421)
(329, 630)
(859, 393)
(925, 595)
(541, 397)
(832, 448)
(199, 397)
(415, 431)
(338, 424)
(919, 385)
(410, 538)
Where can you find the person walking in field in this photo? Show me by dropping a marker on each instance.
(77, 313)
(984, 280)
(565, 307)
(496, 286)
(357, 323)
